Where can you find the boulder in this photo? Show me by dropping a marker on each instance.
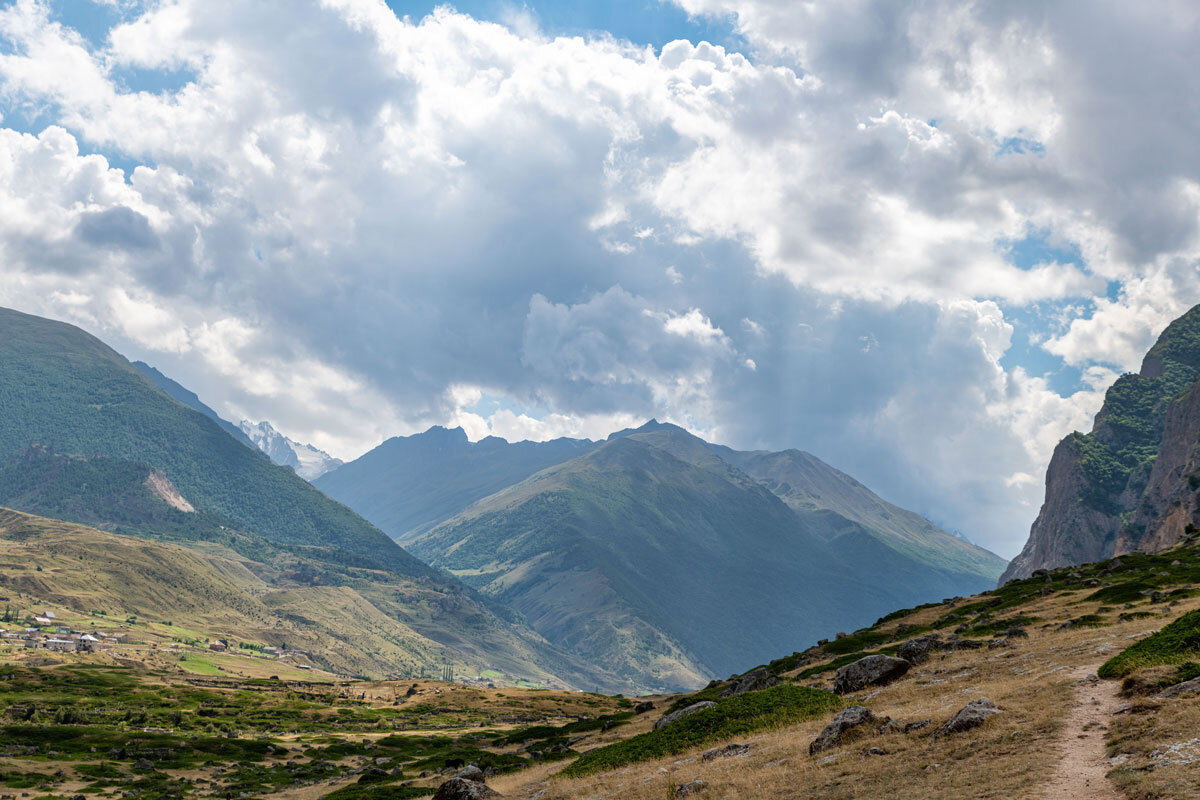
(675, 716)
(643, 707)
(877, 670)
(471, 772)
(917, 651)
(972, 715)
(463, 789)
(752, 681)
(691, 788)
(847, 720)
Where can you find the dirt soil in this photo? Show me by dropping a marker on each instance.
(1084, 763)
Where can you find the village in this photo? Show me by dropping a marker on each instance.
(44, 630)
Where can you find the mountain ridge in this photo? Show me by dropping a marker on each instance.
(656, 506)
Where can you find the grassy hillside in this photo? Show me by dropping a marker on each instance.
(353, 620)
(658, 557)
(64, 388)
(408, 484)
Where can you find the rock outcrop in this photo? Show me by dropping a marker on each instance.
(752, 681)
(972, 715)
(847, 724)
(875, 670)
(1131, 483)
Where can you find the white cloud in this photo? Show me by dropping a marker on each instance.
(347, 220)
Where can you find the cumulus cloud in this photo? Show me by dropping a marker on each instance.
(357, 225)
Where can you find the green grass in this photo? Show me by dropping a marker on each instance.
(755, 711)
(1177, 643)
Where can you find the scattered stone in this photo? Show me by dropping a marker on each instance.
(752, 681)
(1015, 632)
(916, 726)
(847, 720)
(690, 788)
(642, 708)
(724, 752)
(972, 715)
(877, 670)
(143, 764)
(874, 751)
(463, 789)
(1119, 759)
(675, 716)
(957, 643)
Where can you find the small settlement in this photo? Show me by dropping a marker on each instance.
(43, 631)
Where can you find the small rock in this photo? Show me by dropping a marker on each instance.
(675, 716)
(836, 731)
(874, 751)
(723, 752)
(691, 788)
(972, 715)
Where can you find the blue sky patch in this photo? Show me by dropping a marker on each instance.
(639, 21)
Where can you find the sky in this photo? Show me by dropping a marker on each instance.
(917, 239)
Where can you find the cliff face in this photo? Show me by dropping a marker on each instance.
(1130, 484)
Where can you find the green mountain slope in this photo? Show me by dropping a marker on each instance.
(663, 562)
(410, 483)
(181, 394)
(809, 485)
(64, 388)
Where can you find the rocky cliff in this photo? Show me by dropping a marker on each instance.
(1130, 484)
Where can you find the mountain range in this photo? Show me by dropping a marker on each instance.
(1131, 483)
(87, 437)
(655, 554)
(650, 560)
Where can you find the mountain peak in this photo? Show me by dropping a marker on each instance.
(308, 462)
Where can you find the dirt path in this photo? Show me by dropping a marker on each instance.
(1081, 770)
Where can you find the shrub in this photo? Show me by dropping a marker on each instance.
(1177, 643)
